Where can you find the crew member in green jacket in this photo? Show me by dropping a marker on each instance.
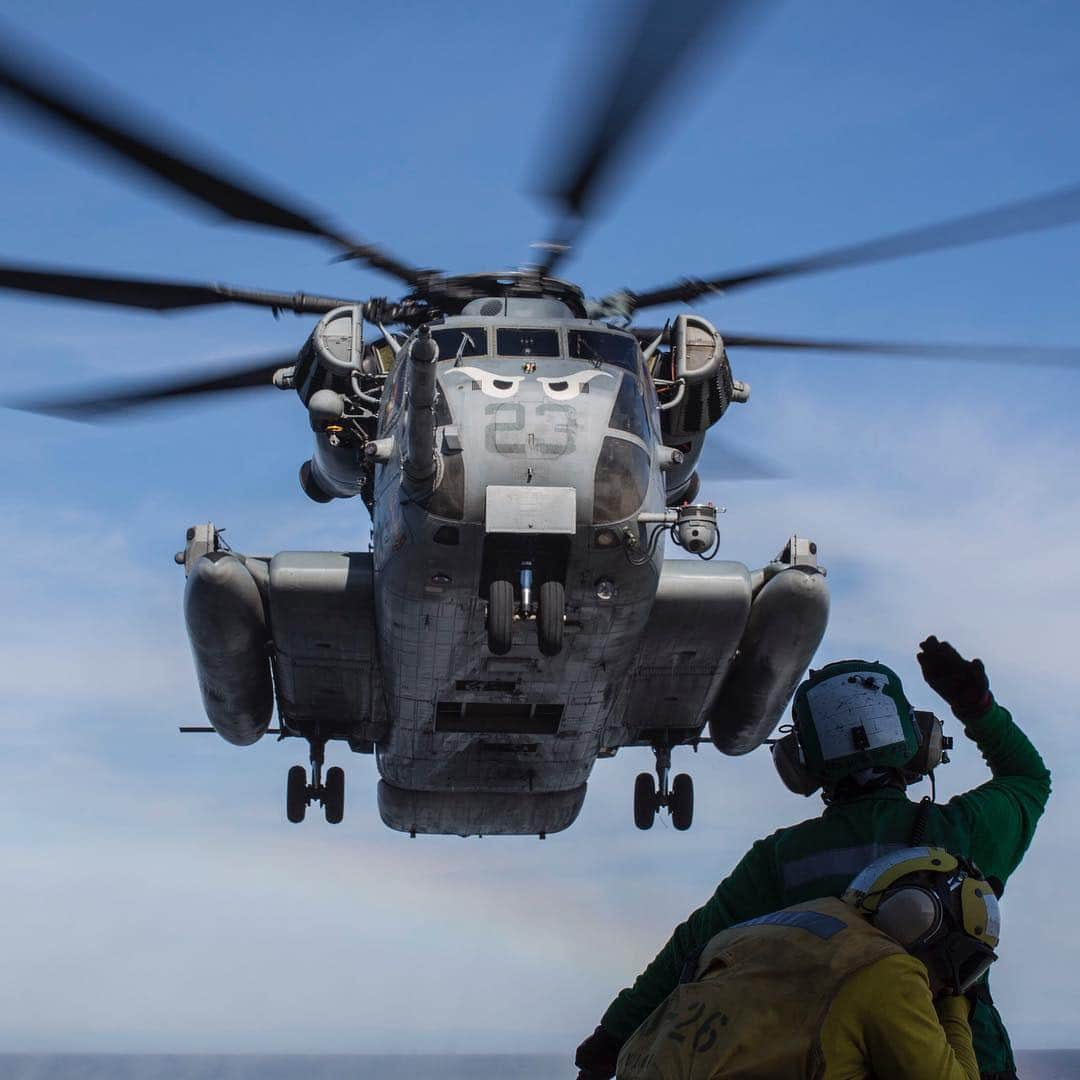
(858, 737)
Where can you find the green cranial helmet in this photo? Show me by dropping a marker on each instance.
(852, 716)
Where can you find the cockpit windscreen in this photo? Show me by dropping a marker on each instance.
(527, 342)
(450, 341)
(600, 346)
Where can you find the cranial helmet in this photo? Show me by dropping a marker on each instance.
(937, 906)
(851, 717)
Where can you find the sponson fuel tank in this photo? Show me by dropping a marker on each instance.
(787, 622)
(226, 624)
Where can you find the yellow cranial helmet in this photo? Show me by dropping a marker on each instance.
(935, 904)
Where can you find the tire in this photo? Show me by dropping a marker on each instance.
(334, 795)
(644, 800)
(500, 617)
(550, 619)
(296, 794)
(682, 802)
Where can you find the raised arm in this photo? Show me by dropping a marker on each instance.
(1001, 814)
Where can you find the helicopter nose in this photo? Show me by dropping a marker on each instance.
(583, 429)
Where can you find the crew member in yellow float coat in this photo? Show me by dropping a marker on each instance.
(866, 987)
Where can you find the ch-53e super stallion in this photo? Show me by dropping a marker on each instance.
(525, 454)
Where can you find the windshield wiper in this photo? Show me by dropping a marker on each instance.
(596, 358)
(465, 340)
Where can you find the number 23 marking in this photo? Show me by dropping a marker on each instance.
(508, 418)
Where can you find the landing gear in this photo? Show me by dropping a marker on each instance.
(548, 611)
(334, 795)
(644, 800)
(681, 802)
(550, 617)
(296, 799)
(650, 795)
(299, 794)
(500, 617)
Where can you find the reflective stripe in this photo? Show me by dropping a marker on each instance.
(835, 862)
(822, 926)
(874, 881)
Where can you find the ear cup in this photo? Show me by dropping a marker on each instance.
(789, 764)
(932, 746)
(911, 916)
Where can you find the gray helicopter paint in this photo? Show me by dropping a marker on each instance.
(679, 669)
(328, 678)
(338, 470)
(463, 813)
(324, 652)
(531, 510)
(787, 619)
(431, 616)
(389, 648)
(226, 620)
(518, 307)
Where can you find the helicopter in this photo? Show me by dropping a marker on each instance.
(526, 453)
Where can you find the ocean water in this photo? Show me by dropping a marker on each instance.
(1033, 1065)
(283, 1067)
(1048, 1064)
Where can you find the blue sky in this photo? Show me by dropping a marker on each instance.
(157, 899)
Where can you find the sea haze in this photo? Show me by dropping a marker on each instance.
(1033, 1065)
(283, 1067)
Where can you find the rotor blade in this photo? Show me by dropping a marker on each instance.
(115, 399)
(78, 108)
(1049, 211)
(1038, 355)
(155, 295)
(657, 50)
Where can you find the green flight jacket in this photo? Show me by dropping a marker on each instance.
(993, 825)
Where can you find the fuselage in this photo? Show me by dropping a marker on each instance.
(543, 414)
(515, 618)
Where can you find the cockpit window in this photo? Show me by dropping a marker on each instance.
(450, 341)
(527, 342)
(603, 347)
(630, 413)
(621, 481)
(393, 393)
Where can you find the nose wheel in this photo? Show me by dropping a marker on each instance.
(551, 617)
(330, 794)
(500, 617)
(651, 795)
(548, 612)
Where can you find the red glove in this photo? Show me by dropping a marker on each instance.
(962, 683)
(597, 1055)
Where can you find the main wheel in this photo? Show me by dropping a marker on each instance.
(644, 800)
(550, 619)
(500, 617)
(296, 794)
(334, 795)
(681, 801)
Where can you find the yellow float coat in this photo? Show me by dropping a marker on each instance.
(813, 992)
